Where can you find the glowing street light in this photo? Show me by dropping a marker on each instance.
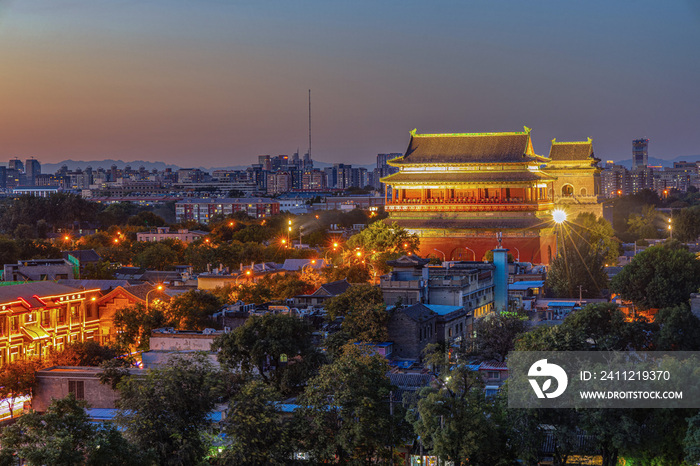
(157, 288)
(559, 216)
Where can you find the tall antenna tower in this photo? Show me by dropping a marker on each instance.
(309, 124)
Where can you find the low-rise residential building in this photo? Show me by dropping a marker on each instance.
(322, 294)
(38, 270)
(120, 297)
(412, 328)
(466, 284)
(166, 342)
(163, 233)
(83, 382)
(203, 210)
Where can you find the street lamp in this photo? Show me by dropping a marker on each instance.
(473, 253)
(444, 257)
(518, 259)
(157, 288)
(559, 216)
(670, 228)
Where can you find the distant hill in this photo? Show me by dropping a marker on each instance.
(160, 166)
(106, 164)
(662, 162)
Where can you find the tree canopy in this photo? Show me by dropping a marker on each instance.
(346, 414)
(164, 412)
(275, 346)
(660, 276)
(64, 435)
(586, 244)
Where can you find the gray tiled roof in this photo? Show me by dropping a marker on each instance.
(467, 148)
(417, 312)
(571, 151)
(26, 291)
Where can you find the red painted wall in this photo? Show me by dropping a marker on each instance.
(534, 249)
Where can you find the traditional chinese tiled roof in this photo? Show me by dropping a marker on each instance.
(469, 148)
(84, 256)
(408, 261)
(475, 177)
(570, 151)
(337, 287)
(27, 291)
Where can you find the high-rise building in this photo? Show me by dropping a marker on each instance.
(640, 153)
(279, 182)
(3, 177)
(314, 180)
(15, 164)
(32, 169)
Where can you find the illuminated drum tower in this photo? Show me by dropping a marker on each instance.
(457, 191)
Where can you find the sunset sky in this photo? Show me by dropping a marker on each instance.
(217, 82)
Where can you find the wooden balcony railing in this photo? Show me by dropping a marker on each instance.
(500, 205)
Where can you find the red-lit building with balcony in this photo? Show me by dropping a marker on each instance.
(457, 191)
(36, 316)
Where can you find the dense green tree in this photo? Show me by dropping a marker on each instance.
(367, 322)
(659, 276)
(624, 206)
(278, 347)
(116, 214)
(58, 210)
(691, 442)
(686, 224)
(354, 273)
(258, 433)
(158, 256)
(346, 415)
(557, 338)
(9, 251)
(646, 223)
(599, 326)
(495, 335)
(135, 323)
(24, 231)
(271, 288)
(586, 244)
(146, 219)
(64, 435)
(103, 270)
(193, 310)
(82, 353)
(460, 423)
(165, 412)
(17, 378)
(678, 329)
(380, 242)
(355, 297)
(37, 249)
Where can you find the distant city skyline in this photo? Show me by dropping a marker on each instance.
(215, 83)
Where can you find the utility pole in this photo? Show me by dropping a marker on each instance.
(309, 124)
(391, 426)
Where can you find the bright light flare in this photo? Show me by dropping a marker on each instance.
(559, 216)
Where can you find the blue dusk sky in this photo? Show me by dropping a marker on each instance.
(217, 82)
